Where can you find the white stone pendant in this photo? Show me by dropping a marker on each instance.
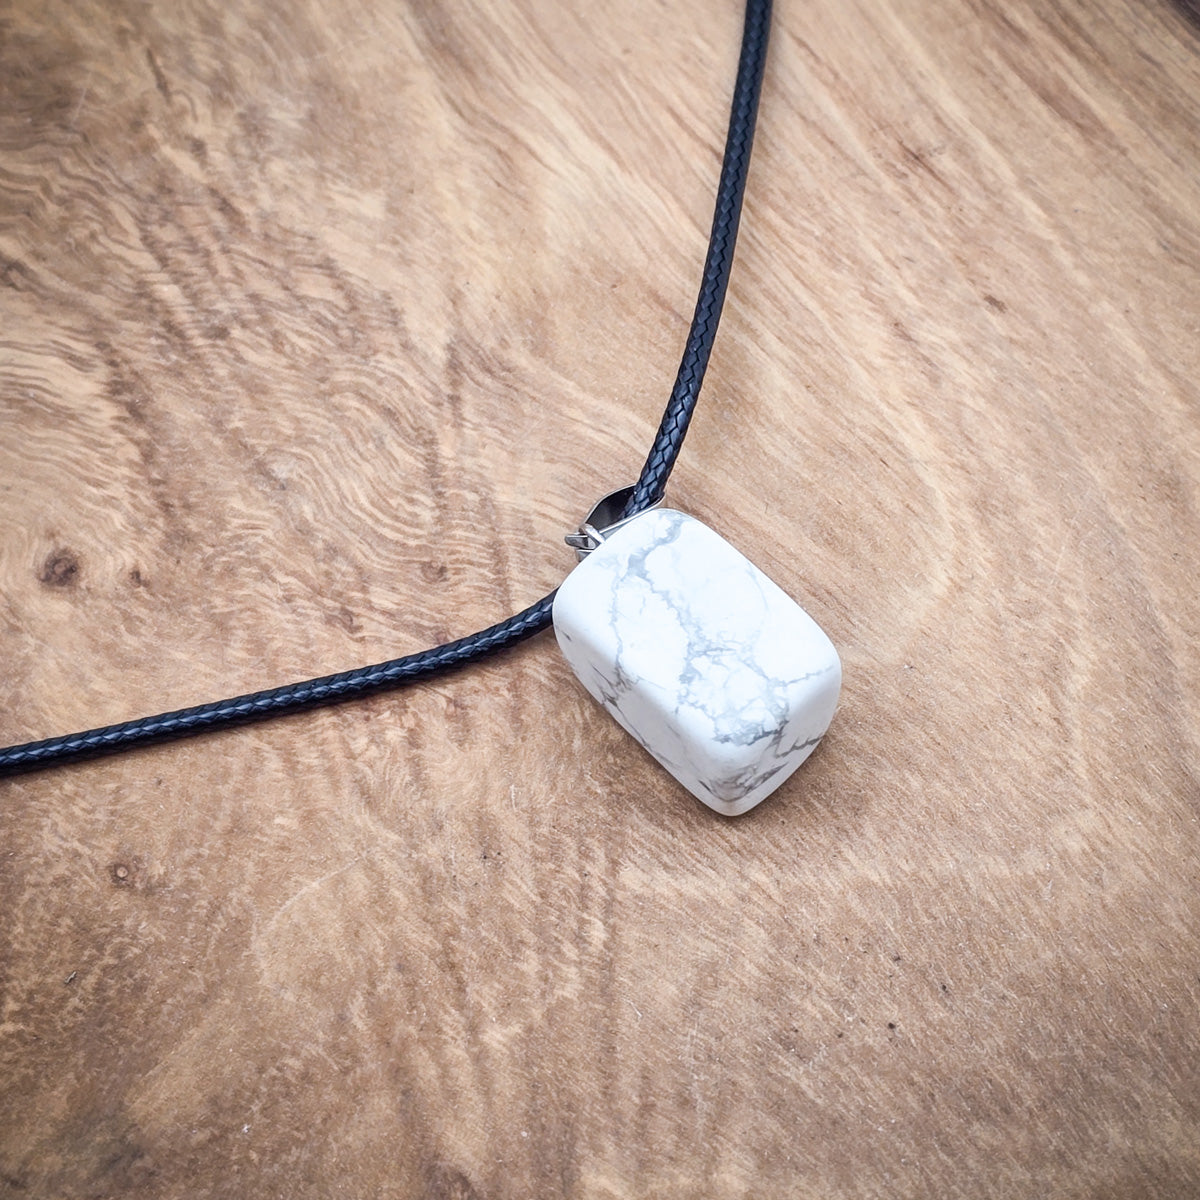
(718, 673)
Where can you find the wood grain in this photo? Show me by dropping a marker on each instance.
(322, 322)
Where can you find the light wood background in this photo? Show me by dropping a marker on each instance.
(322, 322)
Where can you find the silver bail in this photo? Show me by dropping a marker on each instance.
(603, 519)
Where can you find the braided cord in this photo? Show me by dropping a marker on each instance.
(349, 685)
(255, 706)
(717, 263)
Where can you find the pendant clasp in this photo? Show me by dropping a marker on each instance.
(603, 519)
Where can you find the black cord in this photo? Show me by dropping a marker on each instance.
(739, 141)
(330, 689)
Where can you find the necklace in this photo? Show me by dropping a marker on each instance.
(709, 665)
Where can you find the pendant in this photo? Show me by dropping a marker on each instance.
(713, 668)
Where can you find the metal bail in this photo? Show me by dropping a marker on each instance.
(603, 519)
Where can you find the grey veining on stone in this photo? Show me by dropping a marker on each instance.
(719, 674)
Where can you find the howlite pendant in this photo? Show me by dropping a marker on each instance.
(716, 671)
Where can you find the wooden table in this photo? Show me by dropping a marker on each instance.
(322, 323)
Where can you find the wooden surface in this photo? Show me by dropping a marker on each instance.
(321, 323)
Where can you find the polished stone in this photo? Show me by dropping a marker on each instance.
(711, 666)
